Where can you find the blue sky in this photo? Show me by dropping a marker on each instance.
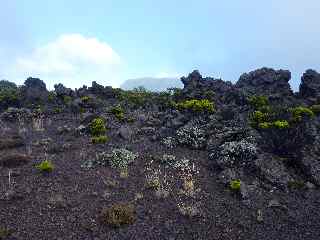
(76, 42)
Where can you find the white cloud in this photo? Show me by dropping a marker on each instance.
(73, 60)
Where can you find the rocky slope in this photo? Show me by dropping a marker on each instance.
(213, 160)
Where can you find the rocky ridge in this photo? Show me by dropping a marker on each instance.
(251, 147)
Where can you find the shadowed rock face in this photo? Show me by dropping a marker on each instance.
(310, 85)
(34, 90)
(62, 90)
(266, 81)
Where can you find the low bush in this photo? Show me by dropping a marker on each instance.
(315, 109)
(119, 158)
(258, 102)
(67, 100)
(9, 94)
(191, 136)
(118, 214)
(300, 112)
(118, 112)
(97, 127)
(194, 105)
(235, 185)
(85, 99)
(45, 166)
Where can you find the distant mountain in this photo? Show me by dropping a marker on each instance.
(152, 84)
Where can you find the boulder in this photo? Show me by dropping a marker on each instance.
(14, 160)
(310, 165)
(310, 85)
(272, 170)
(265, 81)
(125, 132)
(13, 142)
(61, 90)
(195, 86)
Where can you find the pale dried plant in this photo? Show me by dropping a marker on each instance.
(188, 176)
(29, 148)
(124, 173)
(189, 210)
(22, 126)
(153, 178)
(164, 189)
(10, 179)
(38, 123)
(158, 183)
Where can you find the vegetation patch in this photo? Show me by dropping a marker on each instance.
(85, 99)
(119, 158)
(235, 185)
(315, 109)
(45, 166)
(296, 184)
(299, 112)
(195, 105)
(9, 94)
(5, 233)
(191, 136)
(118, 112)
(118, 214)
(97, 127)
(258, 102)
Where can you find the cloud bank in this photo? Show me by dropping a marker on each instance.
(71, 59)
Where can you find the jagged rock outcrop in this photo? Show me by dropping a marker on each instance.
(34, 90)
(266, 81)
(98, 89)
(310, 86)
(61, 90)
(195, 86)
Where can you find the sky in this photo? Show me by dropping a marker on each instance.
(110, 41)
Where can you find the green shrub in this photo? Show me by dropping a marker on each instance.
(97, 127)
(118, 112)
(258, 101)
(9, 94)
(296, 184)
(57, 110)
(235, 185)
(45, 166)
(99, 140)
(299, 112)
(118, 214)
(67, 99)
(315, 109)
(85, 99)
(203, 105)
(265, 125)
(281, 124)
(51, 97)
(258, 117)
(5, 233)
(138, 97)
